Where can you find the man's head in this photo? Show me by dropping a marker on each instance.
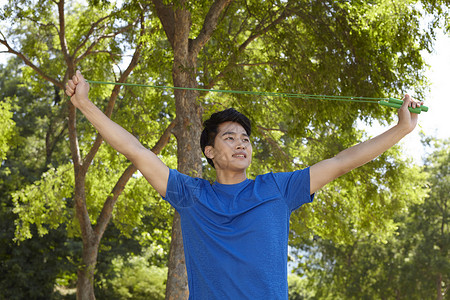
(211, 128)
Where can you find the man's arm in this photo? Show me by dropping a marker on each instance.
(327, 170)
(153, 169)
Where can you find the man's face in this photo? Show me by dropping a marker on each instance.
(232, 148)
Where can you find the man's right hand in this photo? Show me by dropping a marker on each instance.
(77, 89)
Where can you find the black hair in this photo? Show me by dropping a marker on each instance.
(211, 126)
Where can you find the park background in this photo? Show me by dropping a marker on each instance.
(398, 251)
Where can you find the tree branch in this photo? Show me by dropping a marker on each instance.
(111, 54)
(273, 143)
(271, 129)
(40, 24)
(258, 31)
(81, 211)
(256, 64)
(209, 25)
(167, 17)
(98, 39)
(62, 35)
(112, 101)
(106, 213)
(73, 140)
(89, 33)
(4, 42)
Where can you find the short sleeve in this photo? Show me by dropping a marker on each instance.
(295, 187)
(182, 190)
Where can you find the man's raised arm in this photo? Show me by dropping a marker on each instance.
(153, 169)
(329, 169)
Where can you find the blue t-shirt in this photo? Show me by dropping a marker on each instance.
(236, 236)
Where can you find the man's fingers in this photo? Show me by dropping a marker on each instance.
(406, 101)
(70, 88)
(80, 77)
(69, 92)
(407, 98)
(416, 103)
(71, 84)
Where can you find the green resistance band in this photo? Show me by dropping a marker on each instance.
(398, 103)
(392, 102)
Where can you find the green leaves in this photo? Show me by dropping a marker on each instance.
(138, 279)
(44, 203)
(409, 259)
(323, 47)
(317, 47)
(7, 126)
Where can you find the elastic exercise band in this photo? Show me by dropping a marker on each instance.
(392, 102)
(395, 103)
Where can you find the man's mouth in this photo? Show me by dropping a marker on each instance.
(240, 155)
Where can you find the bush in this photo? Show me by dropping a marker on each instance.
(136, 279)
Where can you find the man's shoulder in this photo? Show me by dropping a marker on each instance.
(282, 176)
(277, 174)
(181, 177)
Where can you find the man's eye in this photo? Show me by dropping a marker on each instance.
(246, 140)
(230, 138)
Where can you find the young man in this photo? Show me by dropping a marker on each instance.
(235, 231)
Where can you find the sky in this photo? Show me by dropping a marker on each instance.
(435, 122)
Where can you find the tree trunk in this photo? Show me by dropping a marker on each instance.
(176, 287)
(176, 21)
(85, 283)
(187, 132)
(439, 287)
(85, 273)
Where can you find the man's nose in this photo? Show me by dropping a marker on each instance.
(241, 146)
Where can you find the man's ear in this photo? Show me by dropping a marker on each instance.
(209, 152)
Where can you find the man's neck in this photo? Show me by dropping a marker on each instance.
(227, 177)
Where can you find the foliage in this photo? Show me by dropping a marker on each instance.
(297, 288)
(363, 202)
(6, 128)
(47, 201)
(317, 47)
(48, 250)
(367, 49)
(138, 280)
(29, 269)
(439, 11)
(411, 264)
(134, 277)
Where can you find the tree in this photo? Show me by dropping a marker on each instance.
(27, 270)
(411, 264)
(311, 47)
(333, 47)
(44, 36)
(429, 224)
